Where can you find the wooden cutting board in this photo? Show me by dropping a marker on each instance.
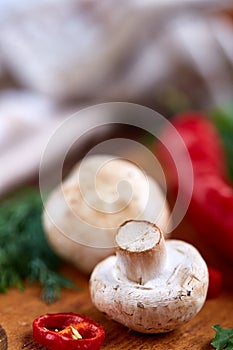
(18, 310)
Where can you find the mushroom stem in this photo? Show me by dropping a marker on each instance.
(141, 251)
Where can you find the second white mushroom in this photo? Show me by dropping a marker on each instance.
(82, 215)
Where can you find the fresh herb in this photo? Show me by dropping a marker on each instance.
(223, 339)
(223, 119)
(24, 251)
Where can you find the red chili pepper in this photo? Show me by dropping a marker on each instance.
(215, 283)
(211, 207)
(68, 331)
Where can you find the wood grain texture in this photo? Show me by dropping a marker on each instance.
(18, 310)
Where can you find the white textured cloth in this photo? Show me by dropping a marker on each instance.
(98, 49)
(101, 51)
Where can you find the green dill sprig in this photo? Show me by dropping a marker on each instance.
(24, 251)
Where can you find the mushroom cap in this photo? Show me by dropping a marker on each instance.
(81, 217)
(161, 304)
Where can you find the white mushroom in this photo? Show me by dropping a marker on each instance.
(151, 285)
(81, 217)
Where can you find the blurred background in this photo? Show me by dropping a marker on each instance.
(57, 57)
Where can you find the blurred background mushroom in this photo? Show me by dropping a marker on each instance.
(57, 57)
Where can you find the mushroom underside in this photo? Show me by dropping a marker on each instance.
(160, 305)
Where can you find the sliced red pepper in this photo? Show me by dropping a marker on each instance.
(211, 206)
(68, 331)
(215, 283)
